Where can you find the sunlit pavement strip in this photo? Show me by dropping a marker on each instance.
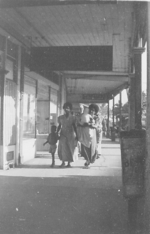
(109, 164)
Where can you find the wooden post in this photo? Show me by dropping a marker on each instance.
(132, 92)
(21, 104)
(138, 84)
(120, 125)
(60, 93)
(108, 114)
(113, 111)
(17, 153)
(147, 169)
(2, 105)
(36, 97)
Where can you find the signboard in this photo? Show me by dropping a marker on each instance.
(100, 97)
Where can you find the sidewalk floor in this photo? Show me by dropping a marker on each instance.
(36, 199)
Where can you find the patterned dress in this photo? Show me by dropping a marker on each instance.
(67, 147)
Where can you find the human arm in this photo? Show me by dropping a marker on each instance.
(58, 130)
(75, 130)
(48, 139)
(45, 143)
(59, 126)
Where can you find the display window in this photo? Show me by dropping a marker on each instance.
(53, 106)
(43, 109)
(29, 108)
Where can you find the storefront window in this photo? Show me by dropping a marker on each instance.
(53, 106)
(29, 108)
(43, 109)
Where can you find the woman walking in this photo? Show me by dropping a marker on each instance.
(88, 137)
(67, 147)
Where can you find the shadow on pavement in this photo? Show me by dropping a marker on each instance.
(64, 205)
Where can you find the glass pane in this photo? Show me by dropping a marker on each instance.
(43, 92)
(42, 117)
(53, 106)
(29, 108)
(10, 69)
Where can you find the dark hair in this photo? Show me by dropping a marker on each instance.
(53, 128)
(67, 104)
(95, 107)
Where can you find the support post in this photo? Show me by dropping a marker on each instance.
(21, 105)
(120, 125)
(147, 163)
(132, 103)
(3, 72)
(108, 114)
(138, 84)
(113, 111)
(17, 156)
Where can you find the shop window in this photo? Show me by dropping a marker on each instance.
(43, 117)
(43, 109)
(10, 69)
(29, 108)
(53, 106)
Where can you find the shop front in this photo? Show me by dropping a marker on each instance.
(29, 123)
(40, 105)
(9, 66)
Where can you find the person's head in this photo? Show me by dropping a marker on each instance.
(93, 109)
(53, 128)
(67, 107)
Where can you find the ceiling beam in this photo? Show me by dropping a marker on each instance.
(36, 3)
(108, 76)
(100, 77)
(117, 90)
(99, 73)
(87, 98)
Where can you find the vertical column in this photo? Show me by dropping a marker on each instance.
(49, 122)
(113, 111)
(147, 170)
(108, 114)
(36, 95)
(120, 124)
(132, 92)
(18, 107)
(3, 72)
(21, 104)
(138, 84)
(61, 93)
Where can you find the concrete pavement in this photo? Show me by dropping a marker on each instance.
(35, 199)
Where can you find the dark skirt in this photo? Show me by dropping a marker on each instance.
(87, 153)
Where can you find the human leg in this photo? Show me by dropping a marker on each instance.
(69, 164)
(63, 164)
(53, 160)
(85, 151)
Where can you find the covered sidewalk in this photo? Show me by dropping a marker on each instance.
(36, 199)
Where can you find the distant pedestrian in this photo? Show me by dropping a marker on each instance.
(98, 122)
(67, 147)
(52, 140)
